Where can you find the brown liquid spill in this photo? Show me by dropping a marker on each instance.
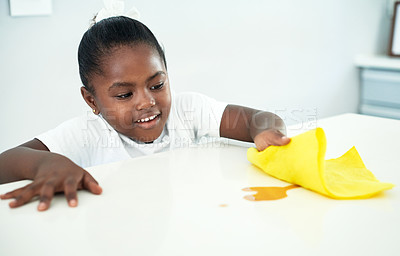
(268, 193)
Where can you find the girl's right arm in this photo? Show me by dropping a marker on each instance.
(50, 173)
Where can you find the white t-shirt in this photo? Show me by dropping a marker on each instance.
(89, 140)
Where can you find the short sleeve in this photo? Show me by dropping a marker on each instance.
(68, 139)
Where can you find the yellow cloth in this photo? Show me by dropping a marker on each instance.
(302, 162)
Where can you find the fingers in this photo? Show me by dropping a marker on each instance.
(14, 193)
(270, 138)
(22, 198)
(46, 195)
(285, 140)
(45, 189)
(70, 188)
(25, 194)
(276, 138)
(21, 195)
(280, 140)
(91, 184)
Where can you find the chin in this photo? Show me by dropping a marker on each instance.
(148, 137)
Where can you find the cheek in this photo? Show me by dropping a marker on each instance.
(165, 106)
(125, 117)
(165, 102)
(119, 116)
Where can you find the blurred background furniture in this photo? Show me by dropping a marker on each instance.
(380, 85)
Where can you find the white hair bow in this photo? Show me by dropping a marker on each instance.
(116, 8)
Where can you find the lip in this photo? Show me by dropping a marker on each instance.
(148, 124)
(147, 115)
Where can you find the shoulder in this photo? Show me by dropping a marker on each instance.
(85, 122)
(85, 140)
(78, 130)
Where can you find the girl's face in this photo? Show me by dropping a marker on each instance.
(133, 93)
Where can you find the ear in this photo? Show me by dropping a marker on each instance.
(90, 100)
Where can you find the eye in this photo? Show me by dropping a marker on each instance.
(157, 87)
(124, 96)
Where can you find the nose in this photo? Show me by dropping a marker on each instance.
(145, 101)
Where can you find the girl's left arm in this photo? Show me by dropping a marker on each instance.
(251, 125)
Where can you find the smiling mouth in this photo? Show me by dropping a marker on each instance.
(147, 119)
(148, 122)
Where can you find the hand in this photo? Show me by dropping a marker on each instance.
(55, 173)
(270, 137)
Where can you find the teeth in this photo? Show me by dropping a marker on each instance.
(146, 119)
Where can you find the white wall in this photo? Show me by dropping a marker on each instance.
(295, 56)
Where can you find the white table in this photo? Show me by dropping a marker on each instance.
(190, 202)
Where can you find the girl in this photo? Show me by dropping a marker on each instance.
(125, 82)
